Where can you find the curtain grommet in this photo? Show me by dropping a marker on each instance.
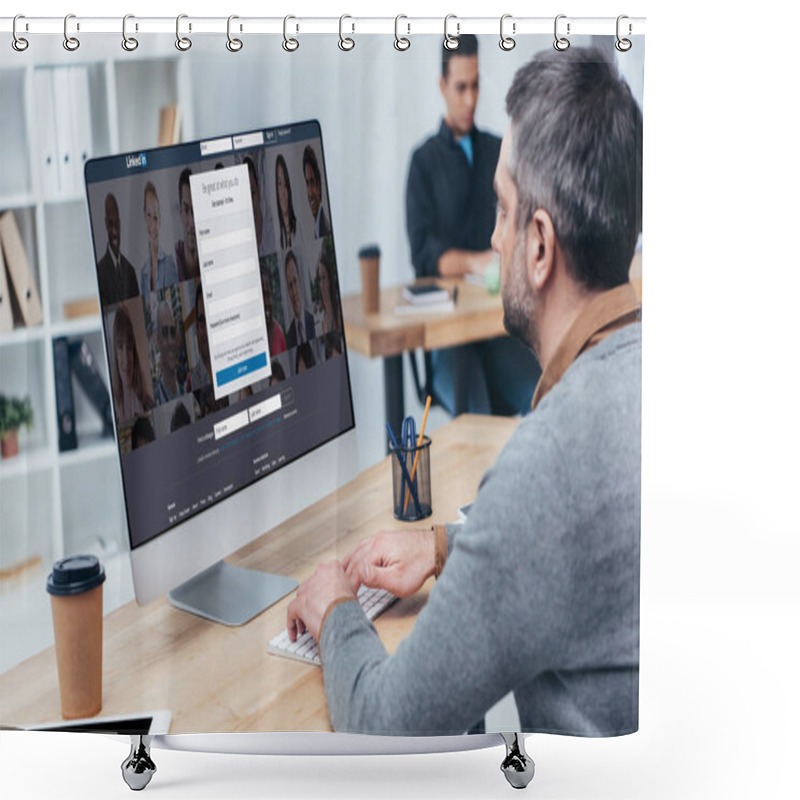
(561, 43)
(507, 43)
(401, 43)
(346, 43)
(289, 44)
(129, 43)
(183, 43)
(233, 44)
(451, 42)
(71, 43)
(19, 43)
(623, 45)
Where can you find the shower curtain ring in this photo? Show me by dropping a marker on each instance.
(233, 44)
(19, 43)
(345, 42)
(451, 42)
(561, 43)
(183, 43)
(623, 45)
(400, 42)
(71, 43)
(129, 43)
(507, 42)
(289, 45)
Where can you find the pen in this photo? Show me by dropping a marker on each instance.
(419, 444)
(406, 476)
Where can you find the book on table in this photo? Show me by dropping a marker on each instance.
(425, 294)
(429, 298)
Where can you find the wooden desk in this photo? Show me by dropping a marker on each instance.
(478, 315)
(219, 679)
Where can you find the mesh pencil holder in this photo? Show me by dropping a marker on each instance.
(415, 504)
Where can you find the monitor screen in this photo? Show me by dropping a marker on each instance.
(222, 318)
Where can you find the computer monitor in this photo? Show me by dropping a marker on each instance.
(223, 331)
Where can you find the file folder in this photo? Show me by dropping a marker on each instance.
(46, 132)
(80, 106)
(62, 103)
(6, 317)
(19, 270)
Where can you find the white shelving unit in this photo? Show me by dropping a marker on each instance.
(52, 503)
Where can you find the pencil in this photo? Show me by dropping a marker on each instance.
(416, 455)
(403, 469)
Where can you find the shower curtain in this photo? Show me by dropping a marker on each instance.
(543, 571)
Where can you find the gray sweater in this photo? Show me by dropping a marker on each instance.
(540, 592)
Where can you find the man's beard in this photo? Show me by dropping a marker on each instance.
(519, 302)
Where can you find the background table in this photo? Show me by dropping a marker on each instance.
(477, 315)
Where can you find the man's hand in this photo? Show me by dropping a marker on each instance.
(313, 597)
(454, 263)
(398, 561)
(479, 262)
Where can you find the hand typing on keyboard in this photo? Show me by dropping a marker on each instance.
(305, 648)
(391, 564)
(397, 561)
(313, 597)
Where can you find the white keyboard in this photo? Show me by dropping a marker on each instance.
(305, 648)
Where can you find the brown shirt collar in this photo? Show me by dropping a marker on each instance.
(605, 313)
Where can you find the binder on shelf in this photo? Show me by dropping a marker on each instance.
(84, 367)
(6, 316)
(81, 121)
(19, 270)
(46, 131)
(62, 103)
(65, 403)
(169, 125)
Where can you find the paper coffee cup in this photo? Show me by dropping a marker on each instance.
(76, 598)
(369, 258)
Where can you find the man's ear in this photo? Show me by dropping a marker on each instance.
(540, 250)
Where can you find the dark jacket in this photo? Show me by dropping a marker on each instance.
(114, 286)
(291, 331)
(450, 204)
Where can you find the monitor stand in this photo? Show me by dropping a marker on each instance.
(230, 595)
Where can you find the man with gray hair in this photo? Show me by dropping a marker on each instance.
(538, 592)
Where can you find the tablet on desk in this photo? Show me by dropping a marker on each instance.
(148, 723)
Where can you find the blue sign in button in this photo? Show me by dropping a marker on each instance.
(242, 368)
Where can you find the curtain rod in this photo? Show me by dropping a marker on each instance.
(187, 25)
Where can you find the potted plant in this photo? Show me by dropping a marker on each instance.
(14, 414)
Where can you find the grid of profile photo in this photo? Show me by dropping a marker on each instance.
(152, 297)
